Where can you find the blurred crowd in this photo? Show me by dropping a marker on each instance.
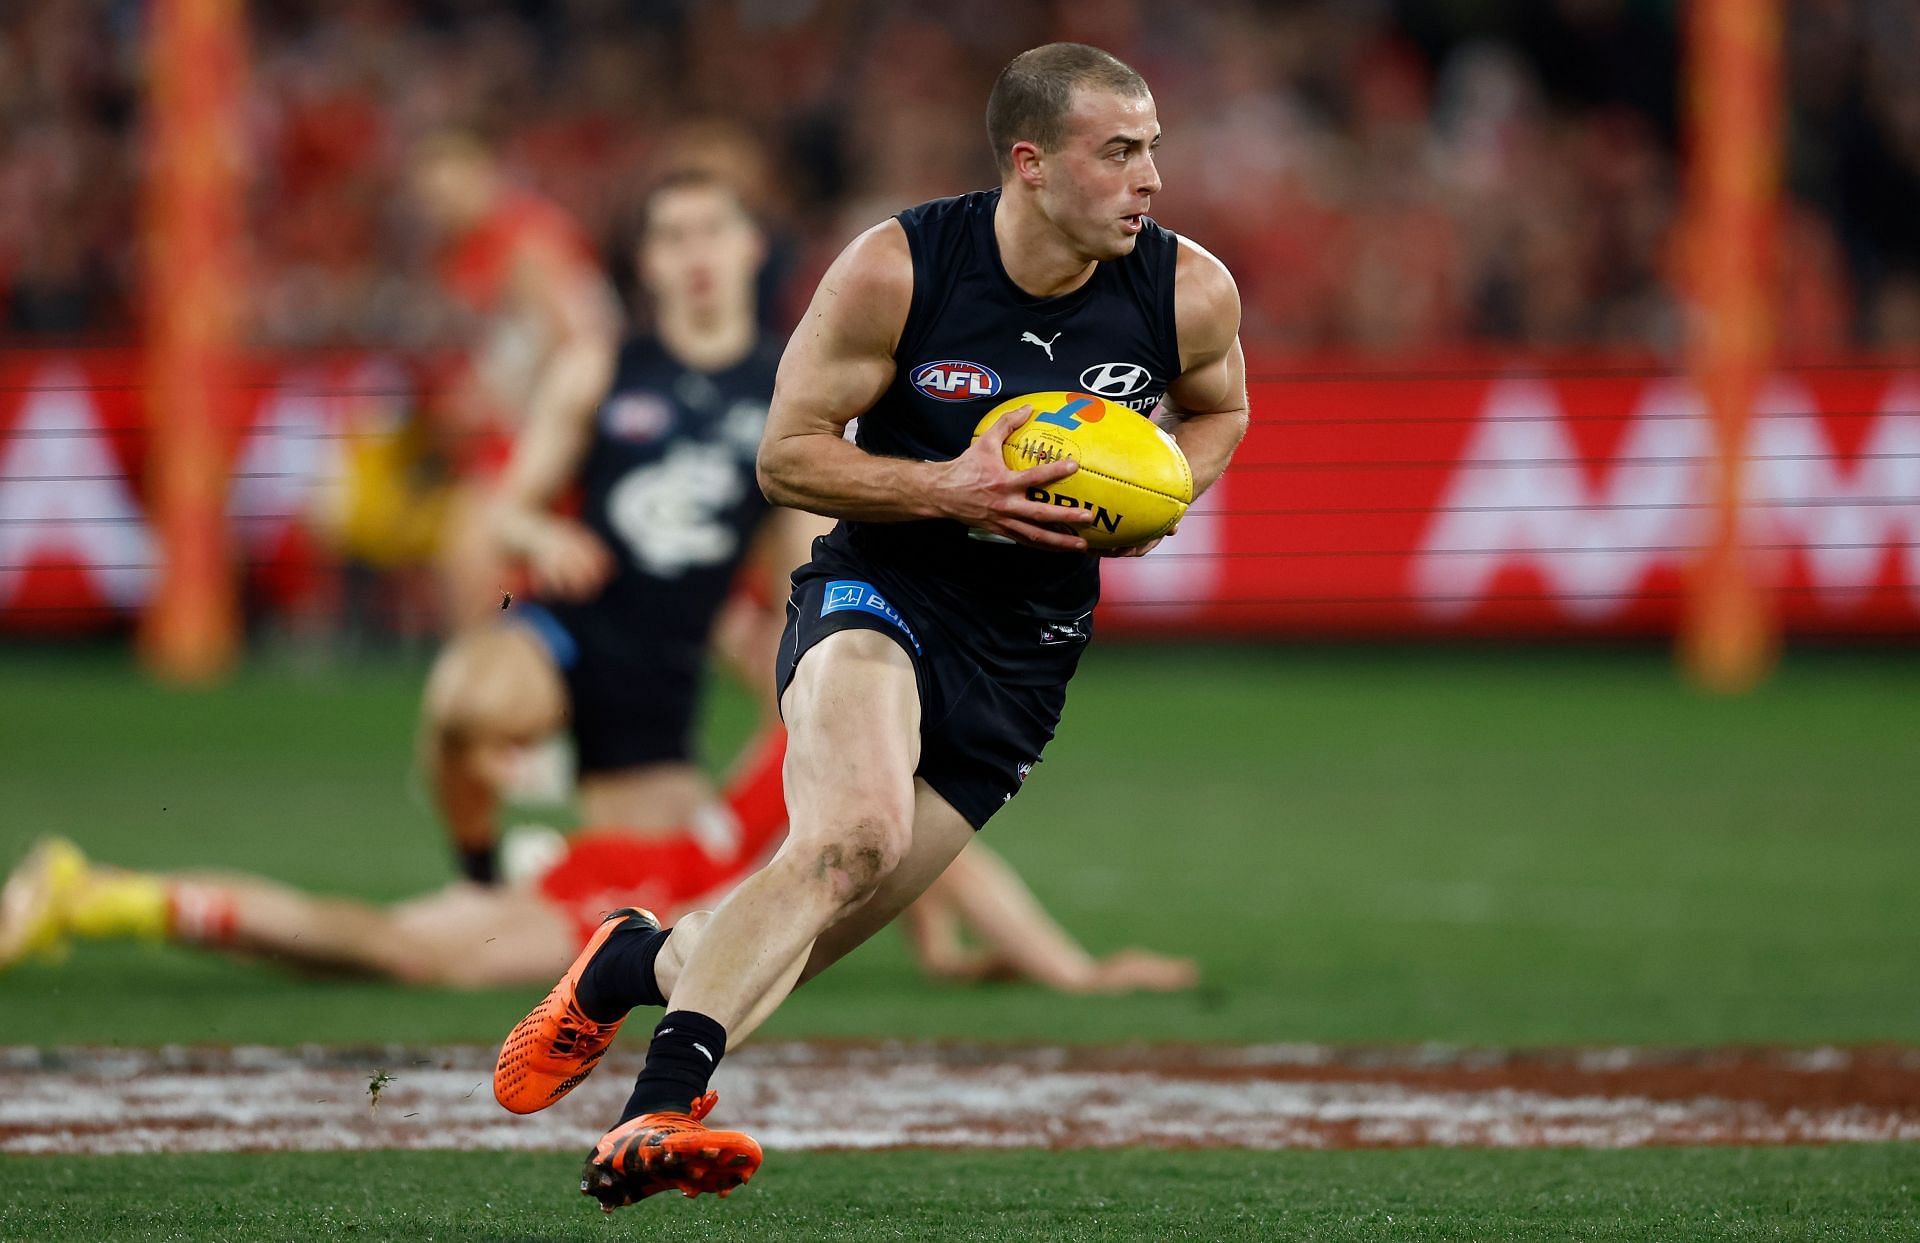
(1379, 175)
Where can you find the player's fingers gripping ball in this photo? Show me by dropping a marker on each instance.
(1131, 474)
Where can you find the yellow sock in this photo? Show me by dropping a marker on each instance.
(119, 904)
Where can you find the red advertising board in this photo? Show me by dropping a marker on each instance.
(1483, 500)
(1559, 501)
(77, 546)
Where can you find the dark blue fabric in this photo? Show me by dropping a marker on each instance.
(974, 339)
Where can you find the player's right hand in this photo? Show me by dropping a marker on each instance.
(567, 561)
(979, 489)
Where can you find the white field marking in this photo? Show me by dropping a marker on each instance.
(795, 1095)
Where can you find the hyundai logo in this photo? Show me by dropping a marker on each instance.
(1115, 379)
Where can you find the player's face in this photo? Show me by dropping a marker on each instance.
(700, 249)
(1102, 180)
(452, 187)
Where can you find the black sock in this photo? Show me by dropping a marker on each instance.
(686, 1047)
(620, 976)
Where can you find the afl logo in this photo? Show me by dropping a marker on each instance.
(952, 380)
(1115, 379)
(637, 416)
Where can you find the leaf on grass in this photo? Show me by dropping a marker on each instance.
(375, 1086)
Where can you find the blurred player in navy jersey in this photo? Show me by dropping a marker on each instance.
(923, 668)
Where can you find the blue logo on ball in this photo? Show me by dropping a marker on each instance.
(1073, 414)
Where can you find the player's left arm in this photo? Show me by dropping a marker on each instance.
(1206, 405)
(1205, 410)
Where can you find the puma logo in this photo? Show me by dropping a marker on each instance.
(1028, 338)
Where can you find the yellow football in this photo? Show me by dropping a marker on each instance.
(1132, 476)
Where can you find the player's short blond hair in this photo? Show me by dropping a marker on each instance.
(1033, 94)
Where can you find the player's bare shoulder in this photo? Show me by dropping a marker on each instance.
(839, 359)
(1206, 305)
(865, 295)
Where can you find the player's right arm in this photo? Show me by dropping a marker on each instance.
(837, 364)
(564, 557)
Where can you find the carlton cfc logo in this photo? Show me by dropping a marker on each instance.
(953, 380)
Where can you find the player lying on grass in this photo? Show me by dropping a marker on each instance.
(923, 669)
(983, 924)
(634, 592)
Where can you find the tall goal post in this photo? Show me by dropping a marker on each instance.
(192, 200)
(1729, 635)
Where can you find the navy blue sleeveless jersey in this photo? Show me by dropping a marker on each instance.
(668, 484)
(972, 340)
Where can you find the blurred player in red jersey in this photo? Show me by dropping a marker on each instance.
(546, 330)
(632, 594)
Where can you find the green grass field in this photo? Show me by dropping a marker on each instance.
(1523, 847)
(1531, 848)
(1846, 1195)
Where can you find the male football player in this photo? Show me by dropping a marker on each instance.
(930, 639)
(635, 590)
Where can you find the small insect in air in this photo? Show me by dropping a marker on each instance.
(375, 1086)
(506, 598)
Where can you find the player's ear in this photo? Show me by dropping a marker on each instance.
(1029, 163)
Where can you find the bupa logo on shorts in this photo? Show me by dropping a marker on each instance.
(1070, 416)
(1115, 380)
(953, 380)
(850, 595)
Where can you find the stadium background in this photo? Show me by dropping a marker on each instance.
(1360, 753)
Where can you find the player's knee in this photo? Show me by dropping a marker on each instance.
(863, 851)
(487, 686)
(460, 693)
(413, 948)
(687, 931)
(400, 955)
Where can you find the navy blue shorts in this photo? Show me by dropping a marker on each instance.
(990, 696)
(632, 702)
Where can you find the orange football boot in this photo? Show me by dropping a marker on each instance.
(550, 1051)
(660, 1151)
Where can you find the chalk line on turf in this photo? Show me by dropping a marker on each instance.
(841, 1095)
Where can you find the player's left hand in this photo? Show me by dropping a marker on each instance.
(1136, 970)
(568, 561)
(1138, 550)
